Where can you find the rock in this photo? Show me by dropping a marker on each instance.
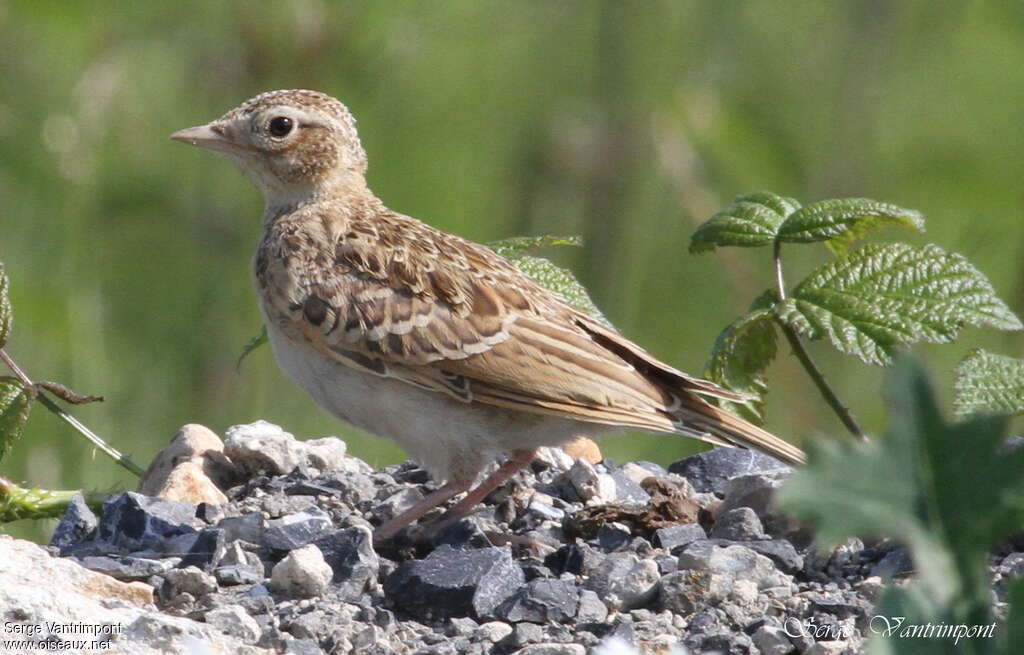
(681, 592)
(895, 563)
(779, 551)
(553, 458)
(207, 548)
(739, 524)
(627, 491)
(542, 601)
(296, 530)
(712, 469)
(613, 536)
(189, 580)
(583, 448)
(591, 486)
(326, 454)
(770, 638)
(263, 447)
(132, 521)
(248, 527)
(552, 649)
(78, 524)
(590, 609)
(624, 581)
(449, 583)
(233, 620)
(757, 491)
(493, 631)
(303, 573)
(74, 596)
(674, 537)
(352, 559)
(125, 569)
(734, 562)
(190, 468)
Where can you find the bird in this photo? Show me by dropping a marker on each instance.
(429, 339)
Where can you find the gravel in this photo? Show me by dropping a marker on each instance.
(569, 558)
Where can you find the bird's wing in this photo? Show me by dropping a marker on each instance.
(397, 298)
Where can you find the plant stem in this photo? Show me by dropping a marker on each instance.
(804, 357)
(112, 452)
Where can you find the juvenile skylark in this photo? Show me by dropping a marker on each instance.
(421, 336)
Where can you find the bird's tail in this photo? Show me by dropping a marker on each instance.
(703, 420)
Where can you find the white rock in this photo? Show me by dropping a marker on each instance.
(303, 573)
(233, 620)
(263, 446)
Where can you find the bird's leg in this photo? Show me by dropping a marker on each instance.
(518, 460)
(391, 527)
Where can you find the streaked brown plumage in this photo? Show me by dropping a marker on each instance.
(422, 336)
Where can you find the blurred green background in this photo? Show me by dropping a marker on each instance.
(626, 122)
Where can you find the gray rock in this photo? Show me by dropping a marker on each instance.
(132, 521)
(352, 559)
(896, 562)
(125, 568)
(189, 580)
(739, 524)
(207, 548)
(233, 620)
(78, 524)
(542, 601)
(674, 537)
(493, 631)
(624, 581)
(613, 536)
(628, 491)
(712, 469)
(591, 486)
(296, 530)
(450, 582)
(590, 609)
(734, 562)
(303, 573)
(552, 649)
(248, 527)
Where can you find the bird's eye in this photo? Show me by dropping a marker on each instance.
(280, 126)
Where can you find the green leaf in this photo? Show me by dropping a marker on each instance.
(15, 404)
(882, 296)
(561, 281)
(516, 246)
(253, 344)
(947, 491)
(5, 308)
(986, 382)
(751, 220)
(840, 222)
(739, 357)
(548, 275)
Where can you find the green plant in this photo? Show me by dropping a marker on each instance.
(18, 393)
(867, 302)
(950, 492)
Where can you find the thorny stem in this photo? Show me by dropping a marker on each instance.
(805, 357)
(112, 452)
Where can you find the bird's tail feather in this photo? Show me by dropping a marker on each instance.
(697, 416)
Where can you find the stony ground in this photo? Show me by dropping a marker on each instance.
(572, 558)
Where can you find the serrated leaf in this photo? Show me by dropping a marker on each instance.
(842, 221)
(15, 405)
(5, 308)
(515, 246)
(883, 296)
(947, 491)
(253, 344)
(738, 359)
(561, 281)
(986, 382)
(751, 220)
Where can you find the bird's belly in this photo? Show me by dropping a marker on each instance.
(448, 437)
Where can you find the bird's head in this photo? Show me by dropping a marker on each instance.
(292, 144)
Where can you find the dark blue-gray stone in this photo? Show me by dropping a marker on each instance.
(711, 469)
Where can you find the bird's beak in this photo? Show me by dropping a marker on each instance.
(211, 135)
